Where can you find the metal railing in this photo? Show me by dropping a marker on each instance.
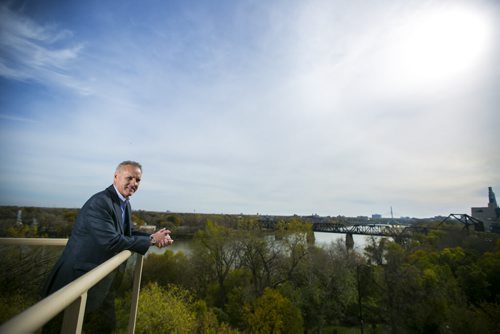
(71, 298)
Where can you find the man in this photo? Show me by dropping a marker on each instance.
(103, 229)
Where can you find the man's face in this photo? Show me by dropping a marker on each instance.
(127, 180)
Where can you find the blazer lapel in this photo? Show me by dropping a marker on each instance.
(118, 214)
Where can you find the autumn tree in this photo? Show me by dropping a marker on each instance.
(273, 313)
(165, 310)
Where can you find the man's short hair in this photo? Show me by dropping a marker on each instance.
(129, 163)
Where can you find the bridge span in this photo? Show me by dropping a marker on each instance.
(397, 230)
(385, 230)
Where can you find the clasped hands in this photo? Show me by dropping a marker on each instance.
(162, 238)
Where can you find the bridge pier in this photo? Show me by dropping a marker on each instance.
(349, 241)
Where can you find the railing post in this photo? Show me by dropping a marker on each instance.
(73, 316)
(135, 293)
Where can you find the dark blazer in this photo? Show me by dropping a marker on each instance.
(97, 235)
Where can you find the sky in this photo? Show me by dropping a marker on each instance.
(340, 107)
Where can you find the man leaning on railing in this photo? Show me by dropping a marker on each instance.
(103, 229)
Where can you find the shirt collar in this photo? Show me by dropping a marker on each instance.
(123, 199)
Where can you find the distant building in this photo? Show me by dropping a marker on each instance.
(376, 216)
(489, 215)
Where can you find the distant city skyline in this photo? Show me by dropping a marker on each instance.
(285, 107)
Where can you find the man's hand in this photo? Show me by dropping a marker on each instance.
(161, 238)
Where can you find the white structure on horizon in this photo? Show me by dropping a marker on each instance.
(489, 214)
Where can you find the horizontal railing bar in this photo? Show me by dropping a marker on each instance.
(34, 241)
(39, 314)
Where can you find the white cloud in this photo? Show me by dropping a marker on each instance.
(33, 51)
(6, 117)
(275, 110)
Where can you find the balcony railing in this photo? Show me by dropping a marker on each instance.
(71, 298)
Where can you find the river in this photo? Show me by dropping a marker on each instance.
(323, 239)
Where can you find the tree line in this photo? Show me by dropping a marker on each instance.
(58, 222)
(246, 281)
(240, 278)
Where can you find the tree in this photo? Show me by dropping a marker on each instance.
(138, 220)
(165, 310)
(273, 313)
(215, 252)
(239, 292)
(294, 241)
(168, 268)
(340, 284)
(401, 291)
(260, 256)
(375, 250)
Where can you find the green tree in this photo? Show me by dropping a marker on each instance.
(490, 264)
(174, 220)
(138, 220)
(215, 254)
(260, 256)
(311, 292)
(168, 268)
(273, 313)
(239, 292)
(375, 250)
(340, 284)
(165, 310)
(294, 242)
(401, 291)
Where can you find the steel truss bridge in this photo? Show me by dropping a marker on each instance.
(365, 229)
(395, 230)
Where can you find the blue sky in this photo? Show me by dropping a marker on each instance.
(273, 107)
